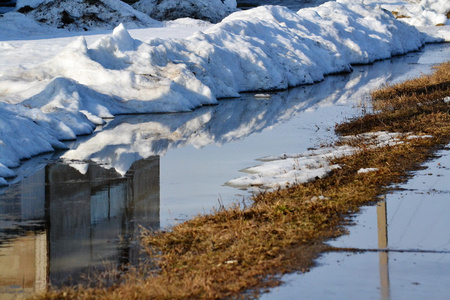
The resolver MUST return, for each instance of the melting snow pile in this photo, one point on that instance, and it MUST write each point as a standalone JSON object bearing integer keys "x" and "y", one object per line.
{"x": 422, "y": 13}
{"x": 264, "y": 48}
{"x": 85, "y": 14}
{"x": 429, "y": 16}
{"x": 283, "y": 171}
{"x": 208, "y": 10}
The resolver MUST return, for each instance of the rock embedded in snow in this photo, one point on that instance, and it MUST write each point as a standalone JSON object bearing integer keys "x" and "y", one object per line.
{"x": 208, "y": 10}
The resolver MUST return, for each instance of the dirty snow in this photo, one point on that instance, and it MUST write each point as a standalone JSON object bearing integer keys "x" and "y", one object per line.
{"x": 60, "y": 88}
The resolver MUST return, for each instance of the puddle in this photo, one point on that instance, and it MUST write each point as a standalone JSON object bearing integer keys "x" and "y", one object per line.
{"x": 59, "y": 224}
{"x": 365, "y": 276}
{"x": 416, "y": 215}
{"x": 67, "y": 213}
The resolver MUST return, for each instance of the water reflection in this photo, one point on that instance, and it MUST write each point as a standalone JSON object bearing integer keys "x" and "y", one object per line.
{"x": 128, "y": 138}
{"x": 60, "y": 223}
{"x": 382, "y": 226}
{"x": 65, "y": 218}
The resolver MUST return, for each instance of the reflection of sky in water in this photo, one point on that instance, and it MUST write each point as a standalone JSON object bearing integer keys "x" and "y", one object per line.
{"x": 197, "y": 153}
{"x": 414, "y": 229}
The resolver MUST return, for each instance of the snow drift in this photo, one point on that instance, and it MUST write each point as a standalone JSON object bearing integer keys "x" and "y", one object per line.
{"x": 208, "y": 10}
{"x": 264, "y": 48}
{"x": 85, "y": 14}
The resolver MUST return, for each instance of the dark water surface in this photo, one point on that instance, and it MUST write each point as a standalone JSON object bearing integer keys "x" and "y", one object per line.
{"x": 69, "y": 213}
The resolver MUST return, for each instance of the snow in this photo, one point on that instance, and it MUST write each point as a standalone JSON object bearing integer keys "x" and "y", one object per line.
{"x": 287, "y": 169}
{"x": 367, "y": 170}
{"x": 56, "y": 84}
{"x": 88, "y": 15}
{"x": 31, "y": 3}
{"x": 428, "y": 16}
{"x": 209, "y": 10}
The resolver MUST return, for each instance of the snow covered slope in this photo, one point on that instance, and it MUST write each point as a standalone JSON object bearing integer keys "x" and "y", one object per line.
{"x": 417, "y": 12}
{"x": 265, "y": 48}
{"x": 85, "y": 14}
{"x": 208, "y": 10}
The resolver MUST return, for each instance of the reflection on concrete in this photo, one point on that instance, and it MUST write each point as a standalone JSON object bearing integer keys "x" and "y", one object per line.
{"x": 383, "y": 244}
{"x": 60, "y": 224}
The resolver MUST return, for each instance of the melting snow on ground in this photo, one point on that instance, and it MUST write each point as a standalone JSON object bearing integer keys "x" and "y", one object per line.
{"x": 261, "y": 49}
{"x": 285, "y": 170}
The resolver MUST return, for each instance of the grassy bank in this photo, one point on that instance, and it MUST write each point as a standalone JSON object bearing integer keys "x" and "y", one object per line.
{"x": 234, "y": 252}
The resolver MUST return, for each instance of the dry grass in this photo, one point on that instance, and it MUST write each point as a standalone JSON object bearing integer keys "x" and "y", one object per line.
{"x": 233, "y": 251}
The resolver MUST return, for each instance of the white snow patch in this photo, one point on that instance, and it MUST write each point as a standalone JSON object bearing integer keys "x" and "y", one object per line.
{"x": 80, "y": 167}
{"x": 426, "y": 136}
{"x": 299, "y": 168}
{"x": 367, "y": 170}
{"x": 262, "y": 96}
{"x": 287, "y": 169}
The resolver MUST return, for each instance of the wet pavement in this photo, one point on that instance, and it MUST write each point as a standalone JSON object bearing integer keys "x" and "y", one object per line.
{"x": 397, "y": 249}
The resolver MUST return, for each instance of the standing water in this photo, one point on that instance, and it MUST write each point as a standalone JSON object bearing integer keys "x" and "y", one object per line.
{"x": 69, "y": 214}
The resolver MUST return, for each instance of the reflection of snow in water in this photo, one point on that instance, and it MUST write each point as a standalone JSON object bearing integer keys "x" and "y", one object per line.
{"x": 130, "y": 138}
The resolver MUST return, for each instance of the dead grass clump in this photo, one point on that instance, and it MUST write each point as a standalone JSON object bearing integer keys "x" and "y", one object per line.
{"x": 399, "y": 16}
{"x": 398, "y": 107}
{"x": 234, "y": 250}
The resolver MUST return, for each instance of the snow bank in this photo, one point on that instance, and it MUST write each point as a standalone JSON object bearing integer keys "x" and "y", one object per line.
{"x": 208, "y": 10}
{"x": 261, "y": 49}
{"x": 14, "y": 25}
{"x": 86, "y": 15}
{"x": 429, "y": 16}
{"x": 427, "y": 12}
{"x": 414, "y": 12}
{"x": 127, "y": 139}
{"x": 24, "y": 133}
